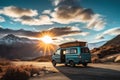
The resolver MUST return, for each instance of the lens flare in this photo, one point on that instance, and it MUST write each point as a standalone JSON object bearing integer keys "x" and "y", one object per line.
{"x": 47, "y": 39}
{"x": 45, "y": 44}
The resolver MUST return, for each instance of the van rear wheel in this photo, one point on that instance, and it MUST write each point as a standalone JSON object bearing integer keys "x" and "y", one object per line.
{"x": 54, "y": 63}
{"x": 84, "y": 64}
{"x": 72, "y": 64}
{"x": 66, "y": 64}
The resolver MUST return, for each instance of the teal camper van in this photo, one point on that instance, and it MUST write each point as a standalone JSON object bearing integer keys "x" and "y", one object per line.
{"x": 72, "y": 53}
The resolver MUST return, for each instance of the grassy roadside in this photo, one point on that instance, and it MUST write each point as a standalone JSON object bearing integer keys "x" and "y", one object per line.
{"x": 10, "y": 71}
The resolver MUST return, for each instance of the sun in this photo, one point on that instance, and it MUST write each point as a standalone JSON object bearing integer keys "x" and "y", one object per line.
{"x": 47, "y": 39}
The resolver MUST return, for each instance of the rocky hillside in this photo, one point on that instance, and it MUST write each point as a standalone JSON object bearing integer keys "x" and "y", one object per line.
{"x": 113, "y": 42}
{"x": 112, "y": 47}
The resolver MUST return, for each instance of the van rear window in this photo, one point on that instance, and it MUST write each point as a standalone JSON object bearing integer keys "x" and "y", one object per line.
{"x": 85, "y": 50}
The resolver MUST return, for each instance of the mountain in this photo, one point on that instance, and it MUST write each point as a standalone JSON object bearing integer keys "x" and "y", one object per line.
{"x": 115, "y": 41}
{"x": 96, "y": 44}
{"x": 11, "y": 39}
{"x": 109, "y": 48}
{"x": 13, "y": 47}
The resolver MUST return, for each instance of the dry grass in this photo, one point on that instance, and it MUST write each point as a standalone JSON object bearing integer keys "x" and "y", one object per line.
{"x": 4, "y": 62}
{"x": 117, "y": 60}
{"x": 9, "y": 71}
{"x": 43, "y": 59}
{"x": 20, "y": 72}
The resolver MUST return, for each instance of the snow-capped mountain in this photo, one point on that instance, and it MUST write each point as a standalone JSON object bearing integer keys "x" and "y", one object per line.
{"x": 12, "y": 39}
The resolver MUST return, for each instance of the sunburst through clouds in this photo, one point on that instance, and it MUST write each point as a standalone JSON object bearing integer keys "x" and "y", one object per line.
{"x": 46, "y": 44}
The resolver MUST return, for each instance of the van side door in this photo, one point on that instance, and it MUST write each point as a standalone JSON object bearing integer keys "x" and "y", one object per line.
{"x": 57, "y": 56}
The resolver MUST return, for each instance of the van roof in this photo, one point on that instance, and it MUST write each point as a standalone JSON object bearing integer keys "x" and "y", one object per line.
{"x": 73, "y": 44}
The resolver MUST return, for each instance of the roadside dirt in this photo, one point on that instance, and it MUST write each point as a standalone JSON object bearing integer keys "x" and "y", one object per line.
{"x": 92, "y": 72}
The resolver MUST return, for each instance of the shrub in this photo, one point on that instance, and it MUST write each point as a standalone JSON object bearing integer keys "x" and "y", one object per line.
{"x": 23, "y": 72}
{"x": 30, "y": 68}
{"x": 16, "y": 73}
{"x": 4, "y": 62}
{"x": 1, "y": 69}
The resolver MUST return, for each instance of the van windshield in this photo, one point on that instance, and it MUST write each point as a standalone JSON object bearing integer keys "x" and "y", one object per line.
{"x": 85, "y": 50}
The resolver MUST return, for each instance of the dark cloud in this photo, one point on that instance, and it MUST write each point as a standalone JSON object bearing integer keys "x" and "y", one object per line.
{"x": 69, "y": 11}
{"x": 55, "y": 32}
{"x": 63, "y": 31}
{"x": 42, "y": 20}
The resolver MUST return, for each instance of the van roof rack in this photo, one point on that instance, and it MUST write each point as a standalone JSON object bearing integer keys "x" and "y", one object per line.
{"x": 72, "y": 44}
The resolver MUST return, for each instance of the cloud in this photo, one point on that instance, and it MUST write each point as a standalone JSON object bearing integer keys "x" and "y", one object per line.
{"x": 99, "y": 37}
{"x": 56, "y": 2}
{"x": 59, "y": 40}
{"x": 69, "y": 11}
{"x": 97, "y": 23}
{"x": 46, "y": 12}
{"x": 113, "y": 31}
{"x": 2, "y": 19}
{"x": 26, "y": 16}
{"x": 67, "y": 31}
{"x": 16, "y": 12}
{"x": 55, "y": 32}
{"x": 42, "y": 20}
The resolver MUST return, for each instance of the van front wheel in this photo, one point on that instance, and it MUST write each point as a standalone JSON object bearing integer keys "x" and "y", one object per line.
{"x": 72, "y": 64}
{"x": 84, "y": 64}
{"x": 54, "y": 63}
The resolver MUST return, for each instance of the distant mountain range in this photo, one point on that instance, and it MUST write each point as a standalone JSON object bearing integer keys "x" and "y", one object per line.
{"x": 11, "y": 39}
{"x": 14, "y": 47}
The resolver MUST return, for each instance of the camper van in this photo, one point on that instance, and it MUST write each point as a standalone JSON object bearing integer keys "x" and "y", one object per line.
{"x": 72, "y": 53}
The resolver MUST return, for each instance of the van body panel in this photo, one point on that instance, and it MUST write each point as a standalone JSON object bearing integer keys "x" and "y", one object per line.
{"x": 77, "y": 54}
{"x": 85, "y": 55}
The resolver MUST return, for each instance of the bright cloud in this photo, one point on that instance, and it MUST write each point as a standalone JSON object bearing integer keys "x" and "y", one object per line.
{"x": 59, "y": 40}
{"x": 97, "y": 23}
{"x": 46, "y": 12}
{"x": 113, "y": 31}
{"x": 17, "y": 12}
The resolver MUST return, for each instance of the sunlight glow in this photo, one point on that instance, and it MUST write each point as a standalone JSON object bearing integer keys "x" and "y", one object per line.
{"x": 47, "y": 39}
{"x": 46, "y": 44}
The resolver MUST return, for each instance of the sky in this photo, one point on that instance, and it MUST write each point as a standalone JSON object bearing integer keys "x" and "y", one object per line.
{"x": 63, "y": 20}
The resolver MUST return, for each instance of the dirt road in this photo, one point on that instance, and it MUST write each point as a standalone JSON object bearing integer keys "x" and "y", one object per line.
{"x": 92, "y": 72}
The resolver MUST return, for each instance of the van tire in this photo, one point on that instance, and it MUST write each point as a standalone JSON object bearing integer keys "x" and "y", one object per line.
{"x": 66, "y": 64}
{"x": 72, "y": 64}
{"x": 54, "y": 63}
{"x": 84, "y": 64}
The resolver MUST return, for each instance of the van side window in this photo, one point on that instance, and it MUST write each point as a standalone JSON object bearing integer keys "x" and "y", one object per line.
{"x": 58, "y": 52}
{"x": 73, "y": 51}
{"x": 84, "y": 50}
{"x": 67, "y": 51}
